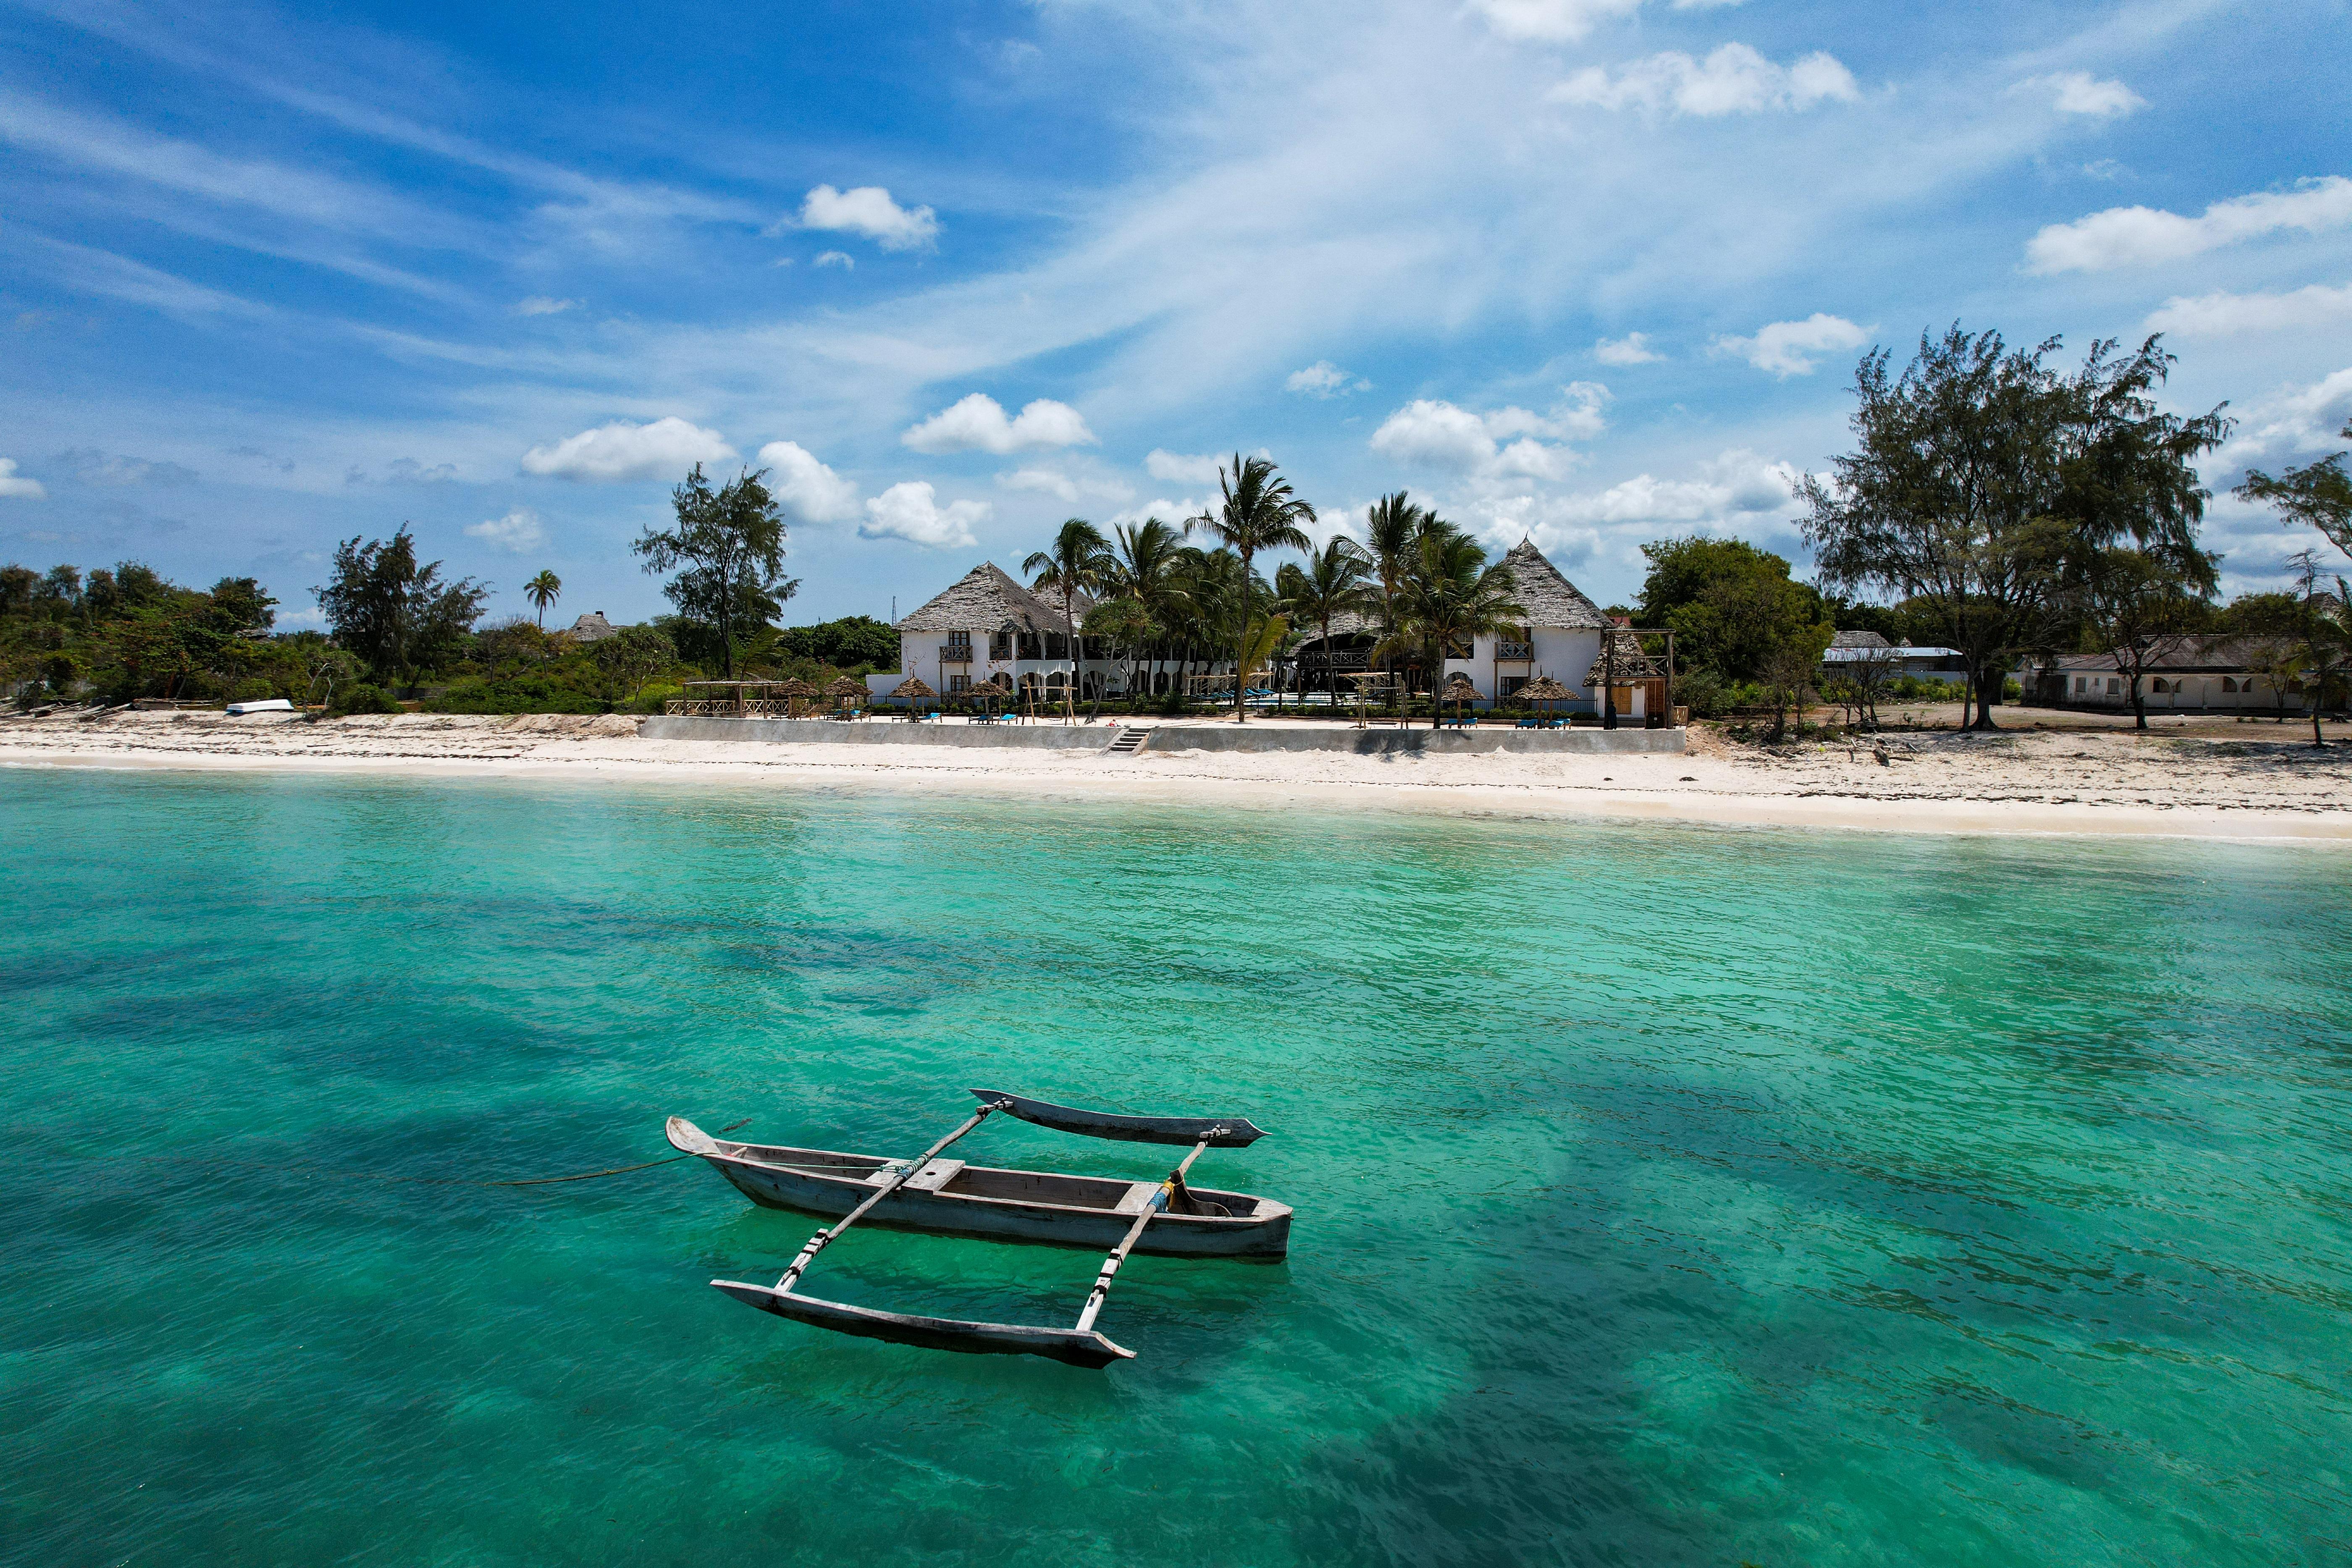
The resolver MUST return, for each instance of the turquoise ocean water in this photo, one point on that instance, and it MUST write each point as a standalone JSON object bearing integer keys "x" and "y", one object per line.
{"x": 1665, "y": 1194}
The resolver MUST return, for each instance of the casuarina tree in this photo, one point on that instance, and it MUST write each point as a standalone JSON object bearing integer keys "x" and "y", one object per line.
{"x": 1981, "y": 474}
{"x": 729, "y": 543}
{"x": 397, "y": 616}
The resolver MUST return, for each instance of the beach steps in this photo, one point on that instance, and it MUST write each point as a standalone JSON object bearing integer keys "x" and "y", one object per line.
{"x": 1130, "y": 739}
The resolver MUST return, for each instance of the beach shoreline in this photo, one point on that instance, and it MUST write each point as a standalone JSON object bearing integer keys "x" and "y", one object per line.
{"x": 2018, "y": 783}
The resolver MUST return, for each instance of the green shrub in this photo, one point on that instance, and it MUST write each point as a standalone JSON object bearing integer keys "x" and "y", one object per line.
{"x": 364, "y": 698}
{"x": 533, "y": 691}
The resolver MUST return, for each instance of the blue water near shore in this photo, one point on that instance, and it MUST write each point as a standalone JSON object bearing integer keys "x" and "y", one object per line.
{"x": 1666, "y": 1195}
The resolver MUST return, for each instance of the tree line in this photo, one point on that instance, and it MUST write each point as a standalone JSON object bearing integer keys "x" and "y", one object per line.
{"x": 1994, "y": 503}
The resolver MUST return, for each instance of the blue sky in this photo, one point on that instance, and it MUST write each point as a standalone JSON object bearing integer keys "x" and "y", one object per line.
{"x": 1592, "y": 269}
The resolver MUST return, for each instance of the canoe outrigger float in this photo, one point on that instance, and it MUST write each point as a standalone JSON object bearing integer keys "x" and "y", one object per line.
{"x": 1165, "y": 1219}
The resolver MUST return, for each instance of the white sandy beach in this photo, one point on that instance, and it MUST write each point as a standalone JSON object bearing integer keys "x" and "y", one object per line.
{"x": 2250, "y": 781}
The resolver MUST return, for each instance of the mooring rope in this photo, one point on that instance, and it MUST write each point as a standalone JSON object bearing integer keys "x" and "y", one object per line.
{"x": 380, "y": 1176}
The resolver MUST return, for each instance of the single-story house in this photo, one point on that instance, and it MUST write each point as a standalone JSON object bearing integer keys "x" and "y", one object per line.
{"x": 1901, "y": 659}
{"x": 2186, "y": 674}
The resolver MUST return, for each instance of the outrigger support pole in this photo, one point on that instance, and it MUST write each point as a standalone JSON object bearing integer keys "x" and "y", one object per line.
{"x": 817, "y": 1243}
{"x": 1157, "y": 1205}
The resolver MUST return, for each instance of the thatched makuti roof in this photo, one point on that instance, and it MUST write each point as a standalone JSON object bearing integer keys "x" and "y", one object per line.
{"x": 1458, "y": 682}
{"x": 986, "y": 600}
{"x": 1552, "y": 601}
{"x": 1632, "y": 664}
{"x": 912, "y": 689}
{"x": 796, "y": 687}
{"x": 1543, "y": 689}
{"x": 846, "y": 686}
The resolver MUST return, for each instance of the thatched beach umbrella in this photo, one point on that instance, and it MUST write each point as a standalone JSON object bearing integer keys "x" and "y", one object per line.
{"x": 1458, "y": 690}
{"x": 914, "y": 691}
{"x": 846, "y": 687}
{"x": 1544, "y": 689}
{"x": 795, "y": 690}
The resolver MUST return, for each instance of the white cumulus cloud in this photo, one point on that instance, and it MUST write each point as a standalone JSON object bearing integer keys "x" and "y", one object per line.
{"x": 840, "y": 258}
{"x": 1633, "y": 348}
{"x": 1788, "y": 348}
{"x": 1734, "y": 79}
{"x": 1172, "y": 512}
{"x": 2080, "y": 92}
{"x": 977, "y": 424}
{"x": 2227, "y": 315}
{"x": 868, "y": 210}
{"x": 1324, "y": 379}
{"x": 1048, "y": 481}
{"x": 2298, "y": 420}
{"x": 2139, "y": 236}
{"x": 612, "y": 453}
{"x": 910, "y": 510}
{"x": 1182, "y": 467}
{"x": 519, "y": 531}
{"x": 21, "y": 489}
{"x": 805, "y": 488}
{"x": 1504, "y": 443}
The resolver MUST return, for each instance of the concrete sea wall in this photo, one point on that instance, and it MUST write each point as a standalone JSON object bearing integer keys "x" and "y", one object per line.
{"x": 1168, "y": 738}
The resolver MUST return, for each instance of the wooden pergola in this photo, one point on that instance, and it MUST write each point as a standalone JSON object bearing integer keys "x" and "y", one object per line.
{"x": 740, "y": 699}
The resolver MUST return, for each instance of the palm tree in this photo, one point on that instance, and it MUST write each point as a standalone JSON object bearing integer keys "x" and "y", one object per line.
{"x": 1259, "y": 513}
{"x": 1334, "y": 582}
{"x": 543, "y": 591}
{"x": 1450, "y": 595}
{"x": 1073, "y": 565}
{"x": 1145, "y": 568}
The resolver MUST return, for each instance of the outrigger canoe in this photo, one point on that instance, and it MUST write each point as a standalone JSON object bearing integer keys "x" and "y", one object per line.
{"x": 1164, "y": 1218}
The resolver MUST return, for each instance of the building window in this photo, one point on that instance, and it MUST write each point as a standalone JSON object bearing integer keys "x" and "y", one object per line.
{"x": 2157, "y": 685}
{"x": 2228, "y": 684}
{"x": 2114, "y": 686}
{"x": 959, "y": 642}
{"x": 2079, "y": 684}
{"x": 1028, "y": 643}
{"x": 1056, "y": 645}
{"x": 1508, "y": 685}
{"x": 1000, "y": 644}
{"x": 958, "y": 683}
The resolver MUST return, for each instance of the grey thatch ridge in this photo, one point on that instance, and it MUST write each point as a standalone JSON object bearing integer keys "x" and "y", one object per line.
{"x": 1853, "y": 639}
{"x": 1552, "y": 601}
{"x": 986, "y": 600}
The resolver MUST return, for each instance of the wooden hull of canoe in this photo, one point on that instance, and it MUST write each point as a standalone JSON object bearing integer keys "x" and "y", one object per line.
{"x": 1036, "y": 1206}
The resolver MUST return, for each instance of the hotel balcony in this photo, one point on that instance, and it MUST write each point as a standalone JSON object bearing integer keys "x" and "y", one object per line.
{"x": 956, "y": 654}
{"x": 1514, "y": 653}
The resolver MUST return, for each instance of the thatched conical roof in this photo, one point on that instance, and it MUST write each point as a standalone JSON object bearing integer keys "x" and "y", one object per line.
{"x": 1543, "y": 689}
{"x": 1631, "y": 663}
{"x": 1458, "y": 682}
{"x": 844, "y": 686}
{"x": 796, "y": 687}
{"x": 912, "y": 689}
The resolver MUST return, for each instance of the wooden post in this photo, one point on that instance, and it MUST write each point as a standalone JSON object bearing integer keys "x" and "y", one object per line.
{"x": 1134, "y": 1233}
{"x": 817, "y": 1242}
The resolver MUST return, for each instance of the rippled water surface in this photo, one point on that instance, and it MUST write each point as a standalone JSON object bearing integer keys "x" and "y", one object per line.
{"x": 1666, "y": 1195}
